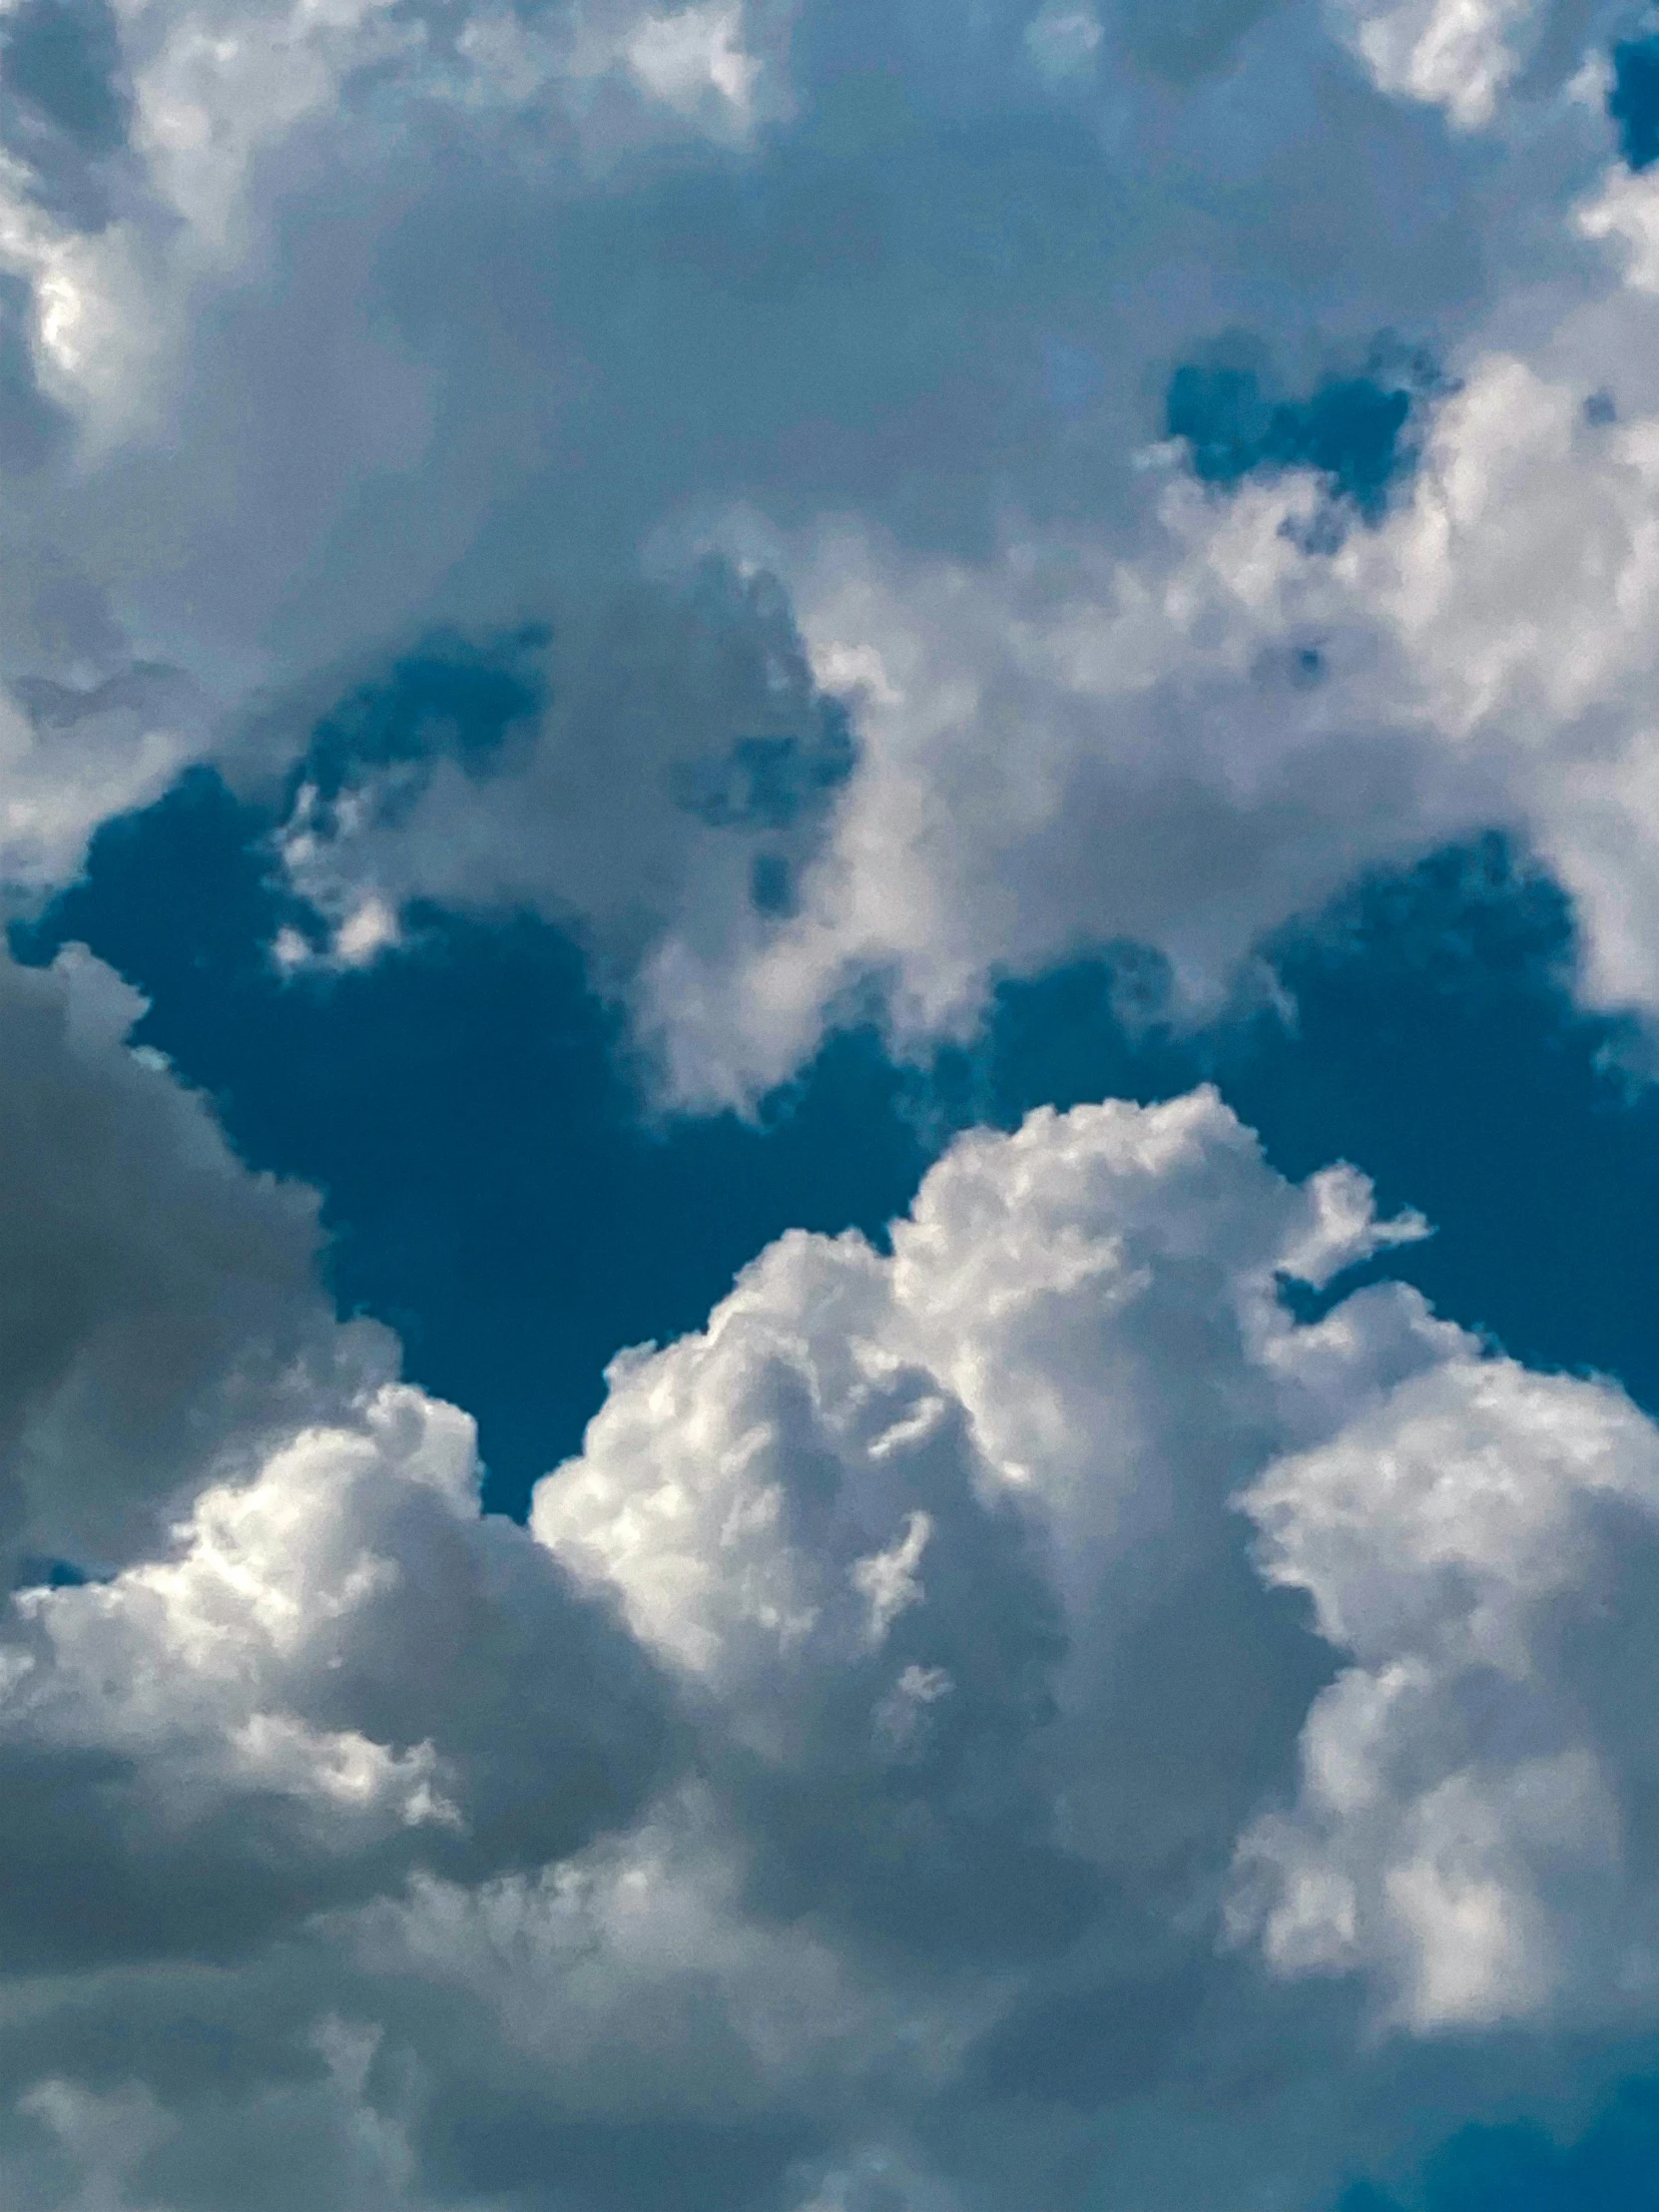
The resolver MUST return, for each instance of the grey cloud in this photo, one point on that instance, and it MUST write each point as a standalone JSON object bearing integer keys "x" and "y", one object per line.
{"x": 30, "y": 426}
{"x": 158, "y": 1304}
{"x": 683, "y": 751}
{"x": 341, "y": 1674}
{"x": 315, "y": 1666}
{"x": 65, "y": 103}
{"x": 477, "y": 375}
{"x": 144, "y": 688}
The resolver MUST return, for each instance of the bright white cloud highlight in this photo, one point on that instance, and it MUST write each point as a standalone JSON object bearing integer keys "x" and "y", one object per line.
{"x": 1458, "y": 53}
{"x": 1032, "y": 1639}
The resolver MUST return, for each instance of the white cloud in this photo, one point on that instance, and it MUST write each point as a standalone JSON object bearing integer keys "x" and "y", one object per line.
{"x": 1457, "y": 54}
{"x": 1105, "y": 703}
{"x": 966, "y": 1477}
{"x": 1063, "y": 40}
{"x": 338, "y": 1672}
{"x": 1468, "y": 1828}
{"x": 74, "y": 756}
{"x": 978, "y": 1808}
{"x": 399, "y": 315}
{"x": 1177, "y": 725}
{"x": 1051, "y": 741}
{"x": 682, "y": 57}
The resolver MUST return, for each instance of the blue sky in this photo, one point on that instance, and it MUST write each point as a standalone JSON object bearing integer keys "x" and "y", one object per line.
{"x": 468, "y": 1109}
{"x": 827, "y": 1142}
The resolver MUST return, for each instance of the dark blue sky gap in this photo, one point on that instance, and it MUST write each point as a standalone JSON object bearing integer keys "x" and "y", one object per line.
{"x": 494, "y": 1194}
{"x": 1351, "y": 430}
{"x": 1613, "y": 2167}
{"x": 1633, "y": 99}
{"x": 452, "y": 696}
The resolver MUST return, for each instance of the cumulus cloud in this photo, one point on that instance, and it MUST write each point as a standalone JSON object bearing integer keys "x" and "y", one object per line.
{"x": 309, "y": 1668}
{"x": 1031, "y": 1713}
{"x": 335, "y": 1666}
{"x": 364, "y": 317}
{"x": 937, "y": 674}
{"x": 1021, "y": 1710}
{"x": 1181, "y": 744}
{"x": 884, "y": 1512}
{"x": 1472, "y": 1759}
{"x": 1070, "y": 1372}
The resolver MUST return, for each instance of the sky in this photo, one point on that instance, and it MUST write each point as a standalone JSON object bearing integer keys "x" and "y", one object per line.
{"x": 828, "y": 1106}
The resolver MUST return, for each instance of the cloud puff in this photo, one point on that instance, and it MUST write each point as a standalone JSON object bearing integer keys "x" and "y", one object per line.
{"x": 469, "y": 315}
{"x": 158, "y": 1306}
{"x": 974, "y": 1717}
{"x": 1472, "y": 1822}
{"x": 1061, "y": 1382}
{"x": 1181, "y": 746}
{"x": 1106, "y": 701}
{"x": 1458, "y": 53}
{"x": 250, "y": 1713}
{"x": 339, "y": 1665}
{"x": 883, "y": 1513}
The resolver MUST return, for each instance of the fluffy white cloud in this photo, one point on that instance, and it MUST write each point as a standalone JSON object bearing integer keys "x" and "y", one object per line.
{"x": 338, "y": 1666}
{"x": 915, "y": 1527}
{"x": 1472, "y": 1822}
{"x": 1111, "y": 702}
{"x": 899, "y": 1764}
{"x": 830, "y": 1510}
{"x": 1184, "y": 743}
{"x": 357, "y": 316}
{"x": 1458, "y": 54}
{"x": 314, "y": 1652}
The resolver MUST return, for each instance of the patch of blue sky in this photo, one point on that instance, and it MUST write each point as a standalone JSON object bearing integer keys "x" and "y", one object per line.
{"x": 492, "y": 1188}
{"x": 1633, "y": 99}
{"x": 497, "y": 1192}
{"x": 1351, "y": 430}
{"x": 1521, "y": 2167}
{"x": 450, "y": 698}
